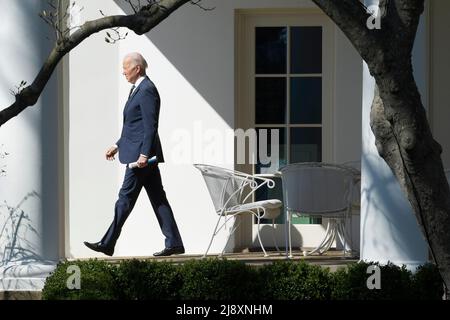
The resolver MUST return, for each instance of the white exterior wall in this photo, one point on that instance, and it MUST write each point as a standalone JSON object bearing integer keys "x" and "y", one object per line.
{"x": 94, "y": 124}
{"x": 389, "y": 231}
{"x": 29, "y": 236}
{"x": 440, "y": 69}
{"x": 191, "y": 57}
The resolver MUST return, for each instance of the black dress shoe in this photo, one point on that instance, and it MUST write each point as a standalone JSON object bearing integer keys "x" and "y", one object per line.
{"x": 169, "y": 251}
{"x": 99, "y": 247}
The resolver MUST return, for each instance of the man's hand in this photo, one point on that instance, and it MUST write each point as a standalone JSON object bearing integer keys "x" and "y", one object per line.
{"x": 111, "y": 153}
{"x": 142, "y": 161}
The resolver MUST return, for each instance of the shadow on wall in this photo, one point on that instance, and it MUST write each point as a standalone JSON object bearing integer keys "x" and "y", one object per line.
{"x": 401, "y": 223}
{"x": 186, "y": 43}
{"x": 20, "y": 264}
{"x": 5, "y": 86}
{"x": 15, "y": 226}
{"x": 35, "y": 55}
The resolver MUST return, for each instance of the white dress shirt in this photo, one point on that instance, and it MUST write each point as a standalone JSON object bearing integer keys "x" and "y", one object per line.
{"x": 138, "y": 82}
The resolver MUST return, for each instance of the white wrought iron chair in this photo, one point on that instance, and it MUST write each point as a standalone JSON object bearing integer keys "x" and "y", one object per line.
{"x": 317, "y": 189}
{"x": 229, "y": 191}
{"x": 355, "y": 168}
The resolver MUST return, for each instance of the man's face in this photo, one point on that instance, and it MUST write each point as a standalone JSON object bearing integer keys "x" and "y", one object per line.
{"x": 130, "y": 71}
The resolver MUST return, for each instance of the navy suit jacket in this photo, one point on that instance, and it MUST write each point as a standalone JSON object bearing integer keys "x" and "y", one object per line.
{"x": 140, "y": 125}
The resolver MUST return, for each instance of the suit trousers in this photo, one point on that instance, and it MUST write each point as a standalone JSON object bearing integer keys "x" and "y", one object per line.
{"x": 149, "y": 178}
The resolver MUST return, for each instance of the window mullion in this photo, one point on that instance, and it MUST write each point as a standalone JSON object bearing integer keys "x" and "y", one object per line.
{"x": 288, "y": 97}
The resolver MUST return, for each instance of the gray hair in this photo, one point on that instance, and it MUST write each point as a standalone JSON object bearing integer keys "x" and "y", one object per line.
{"x": 137, "y": 60}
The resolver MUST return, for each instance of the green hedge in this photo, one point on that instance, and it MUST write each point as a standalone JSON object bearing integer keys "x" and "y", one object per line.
{"x": 98, "y": 282}
{"x": 287, "y": 280}
{"x": 141, "y": 280}
{"x": 351, "y": 283}
{"x": 213, "y": 279}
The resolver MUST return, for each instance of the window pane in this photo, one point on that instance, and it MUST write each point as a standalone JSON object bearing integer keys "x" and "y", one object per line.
{"x": 306, "y": 50}
{"x": 270, "y": 100}
{"x": 306, "y": 145}
{"x": 282, "y": 152}
{"x": 271, "y": 50}
{"x": 306, "y": 220}
{"x": 306, "y": 100}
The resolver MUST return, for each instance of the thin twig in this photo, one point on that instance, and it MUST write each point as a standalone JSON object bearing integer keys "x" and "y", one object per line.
{"x": 197, "y": 3}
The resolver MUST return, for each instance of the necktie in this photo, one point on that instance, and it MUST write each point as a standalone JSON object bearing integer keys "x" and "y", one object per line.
{"x": 131, "y": 91}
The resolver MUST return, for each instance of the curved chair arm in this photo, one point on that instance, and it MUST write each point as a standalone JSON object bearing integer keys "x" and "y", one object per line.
{"x": 257, "y": 181}
{"x": 239, "y": 181}
{"x": 276, "y": 174}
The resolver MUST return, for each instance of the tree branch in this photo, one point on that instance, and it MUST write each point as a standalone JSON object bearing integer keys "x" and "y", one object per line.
{"x": 141, "y": 22}
{"x": 198, "y": 4}
{"x": 3, "y": 154}
{"x": 407, "y": 19}
{"x": 351, "y": 17}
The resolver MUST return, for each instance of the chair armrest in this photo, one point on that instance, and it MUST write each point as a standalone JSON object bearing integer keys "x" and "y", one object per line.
{"x": 256, "y": 181}
{"x": 276, "y": 174}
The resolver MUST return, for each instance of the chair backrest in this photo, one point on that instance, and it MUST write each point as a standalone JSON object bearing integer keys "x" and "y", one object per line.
{"x": 317, "y": 188}
{"x": 353, "y": 166}
{"x": 225, "y": 186}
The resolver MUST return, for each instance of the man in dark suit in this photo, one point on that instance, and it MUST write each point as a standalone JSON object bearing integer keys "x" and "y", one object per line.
{"x": 139, "y": 141}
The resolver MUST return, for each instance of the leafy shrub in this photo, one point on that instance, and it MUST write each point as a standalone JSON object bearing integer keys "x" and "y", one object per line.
{"x": 97, "y": 282}
{"x": 427, "y": 283}
{"x": 351, "y": 283}
{"x": 143, "y": 280}
{"x": 287, "y": 280}
{"x": 213, "y": 279}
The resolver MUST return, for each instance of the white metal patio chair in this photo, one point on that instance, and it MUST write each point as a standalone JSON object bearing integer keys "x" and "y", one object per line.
{"x": 355, "y": 168}
{"x": 230, "y": 190}
{"x": 317, "y": 189}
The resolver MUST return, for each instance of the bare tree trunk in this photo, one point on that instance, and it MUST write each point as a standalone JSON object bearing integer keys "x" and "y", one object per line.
{"x": 404, "y": 141}
{"x": 398, "y": 118}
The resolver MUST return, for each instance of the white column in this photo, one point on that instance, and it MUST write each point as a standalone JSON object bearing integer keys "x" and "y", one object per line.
{"x": 389, "y": 231}
{"x": 29, "y": 193}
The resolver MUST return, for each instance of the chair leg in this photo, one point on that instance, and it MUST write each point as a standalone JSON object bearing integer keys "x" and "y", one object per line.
{"x": 289, "y": 218}
{"x": 327, "y": 240}
{"x": 341, "y": 235}
{"x": 259, "y": 237}
{"x": 273, "y": 235}
{"x": 286, "y": 237}
{"x": 306, "y": 253}
{"x": 349, "y": 232}
{"x": 233, "y": 228}
{"x": 327, "y": 244}
{"x": 344, "y": 237}
{"x": 213, "y": 235}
